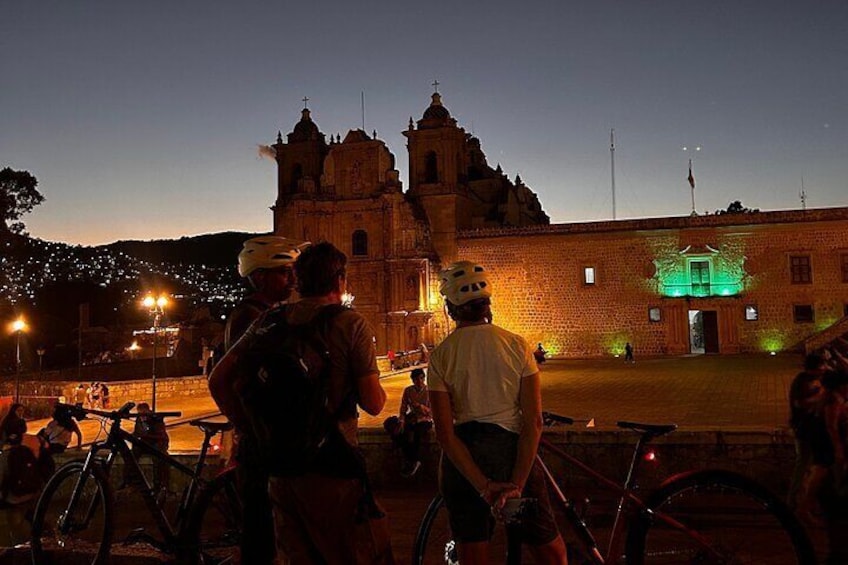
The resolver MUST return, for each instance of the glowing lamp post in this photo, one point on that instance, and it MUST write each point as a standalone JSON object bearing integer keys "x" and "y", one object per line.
{"x": 18, "y": 326}
{"x": 156, "y": 308}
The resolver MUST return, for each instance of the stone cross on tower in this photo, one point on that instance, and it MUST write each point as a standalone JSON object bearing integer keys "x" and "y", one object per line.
{"x": 305, "y": 100}
{"x": 436, "y": 86}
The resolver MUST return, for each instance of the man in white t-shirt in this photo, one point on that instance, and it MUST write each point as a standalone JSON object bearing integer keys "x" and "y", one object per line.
{"x": 487, "y": 409}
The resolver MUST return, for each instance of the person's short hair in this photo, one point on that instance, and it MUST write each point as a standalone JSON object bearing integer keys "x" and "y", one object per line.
{"x": 317, "y": 269}
{"x": 813, "y": 362}
{"x": 417, "y": 372}
{"x": 473, "y": 311}
{"x": 142, "y": 407}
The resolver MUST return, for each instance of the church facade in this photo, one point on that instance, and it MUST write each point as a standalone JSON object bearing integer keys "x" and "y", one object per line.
{"x": 751, "y": 282}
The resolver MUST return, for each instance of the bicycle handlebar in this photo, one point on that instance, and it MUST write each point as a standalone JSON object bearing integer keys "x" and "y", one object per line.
{"x": 122, "y": 413}
{"x": 549, "y": 418}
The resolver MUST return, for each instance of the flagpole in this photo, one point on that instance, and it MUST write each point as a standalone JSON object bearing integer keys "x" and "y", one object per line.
{"x": 692, "y": 187}
{"x": 612, "y": 169}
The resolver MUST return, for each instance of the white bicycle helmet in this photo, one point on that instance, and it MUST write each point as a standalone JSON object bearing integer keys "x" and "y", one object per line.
{"x": 269, "y": 252}
{"x": 464, "y": 281}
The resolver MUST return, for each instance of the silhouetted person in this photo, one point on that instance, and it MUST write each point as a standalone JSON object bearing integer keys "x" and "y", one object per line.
{"x": 539, "y": 354}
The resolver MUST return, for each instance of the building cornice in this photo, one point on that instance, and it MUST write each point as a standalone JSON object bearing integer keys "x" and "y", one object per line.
{"x": 666, "y": 223}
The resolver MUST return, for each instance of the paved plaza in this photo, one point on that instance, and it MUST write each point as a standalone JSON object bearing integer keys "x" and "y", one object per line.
{"x": 699, "y": 393}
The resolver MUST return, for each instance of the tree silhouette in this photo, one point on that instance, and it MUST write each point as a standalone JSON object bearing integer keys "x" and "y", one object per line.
{"x": 18, "y": 196}
{"x": 736, "y": 207}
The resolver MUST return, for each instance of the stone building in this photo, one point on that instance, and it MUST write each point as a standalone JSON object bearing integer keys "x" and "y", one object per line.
{"x": 750, "y": 282}
{"x": 758, "y": 282}
{"x": 348, "y": 191}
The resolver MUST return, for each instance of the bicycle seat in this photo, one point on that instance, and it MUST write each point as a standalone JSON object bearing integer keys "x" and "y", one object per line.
{"x": 654, "y": 430}
{"x": 212, "y": 427}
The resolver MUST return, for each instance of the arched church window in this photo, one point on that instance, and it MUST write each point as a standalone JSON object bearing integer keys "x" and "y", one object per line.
{"x": 431, "y": 168}
{"x": 360, "y": 243}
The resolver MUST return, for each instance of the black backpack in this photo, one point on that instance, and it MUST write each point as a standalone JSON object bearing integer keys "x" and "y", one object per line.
{"x": 284, "y": 374}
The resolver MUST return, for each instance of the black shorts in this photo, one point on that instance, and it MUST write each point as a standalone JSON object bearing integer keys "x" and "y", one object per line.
{"x": 494, "y": 450}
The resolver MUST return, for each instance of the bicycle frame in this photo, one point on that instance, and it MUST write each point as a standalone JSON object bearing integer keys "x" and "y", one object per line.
{"x": 628, "y": 503}
{"x": 116, "y": 443}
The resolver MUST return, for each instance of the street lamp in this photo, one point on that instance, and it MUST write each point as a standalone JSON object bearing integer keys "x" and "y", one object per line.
{"x": 156, "y": 308}
{"x": 18, "y": 326}
{"x": 40, "y": 351}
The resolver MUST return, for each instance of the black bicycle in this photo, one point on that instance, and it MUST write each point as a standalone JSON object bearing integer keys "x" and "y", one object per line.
{"x": 76, "y": 511}
{"x": 704, "y": 517}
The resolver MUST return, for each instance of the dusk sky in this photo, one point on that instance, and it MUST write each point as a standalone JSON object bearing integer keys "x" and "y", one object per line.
{"x": 141, "y": 120}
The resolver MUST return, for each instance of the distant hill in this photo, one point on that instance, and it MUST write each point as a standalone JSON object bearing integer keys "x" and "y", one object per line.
{"x": 218, "y": 249}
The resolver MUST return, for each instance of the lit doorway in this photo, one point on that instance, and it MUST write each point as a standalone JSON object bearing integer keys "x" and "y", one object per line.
{"x": 703, "y": 331}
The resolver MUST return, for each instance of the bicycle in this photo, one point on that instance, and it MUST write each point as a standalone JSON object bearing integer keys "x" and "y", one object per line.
{"x": 706, "y": 516}
{"x": 76, "y": 509}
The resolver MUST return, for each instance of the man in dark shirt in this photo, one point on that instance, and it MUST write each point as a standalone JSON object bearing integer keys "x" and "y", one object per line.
{"x": 326, "y": 515}
{"x": 806, "y": 396}
{"x": 266, "y": 262}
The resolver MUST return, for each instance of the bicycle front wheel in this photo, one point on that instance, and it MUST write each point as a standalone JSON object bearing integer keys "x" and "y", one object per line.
{"x": 737, "y": 519}
{"x": 214, "y": 531}
{"x": 79, "y": 524}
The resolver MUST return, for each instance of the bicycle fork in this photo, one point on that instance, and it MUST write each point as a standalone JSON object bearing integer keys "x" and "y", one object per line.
{"x": 65, "y": 522}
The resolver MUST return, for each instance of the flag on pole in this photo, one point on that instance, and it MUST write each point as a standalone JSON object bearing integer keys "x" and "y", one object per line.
{"x": 691, "y": 177}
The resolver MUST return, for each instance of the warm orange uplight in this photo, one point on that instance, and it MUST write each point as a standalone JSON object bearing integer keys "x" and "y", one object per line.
{"x": 134, "y": 346}
{"x": 148, "y": 302}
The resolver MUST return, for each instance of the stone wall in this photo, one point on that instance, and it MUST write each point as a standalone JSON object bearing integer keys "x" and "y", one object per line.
{"x": 765, "y": 457}
{"x": 540, "y": 292}
{"x": 119, "y": 392}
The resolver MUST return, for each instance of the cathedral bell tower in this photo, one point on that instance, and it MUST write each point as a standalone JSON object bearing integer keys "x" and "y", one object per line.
{"x": 437, "y": 180}
{"x": 299, "y": 163}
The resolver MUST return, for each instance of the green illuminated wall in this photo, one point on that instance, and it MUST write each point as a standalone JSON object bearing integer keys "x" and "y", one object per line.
{"x": 673, "y": 262}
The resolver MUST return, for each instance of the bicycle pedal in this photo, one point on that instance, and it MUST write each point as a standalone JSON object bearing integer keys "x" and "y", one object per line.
{"x": 136, "y": 535}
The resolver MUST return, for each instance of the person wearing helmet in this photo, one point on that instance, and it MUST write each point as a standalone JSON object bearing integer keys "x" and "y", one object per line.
{"x": 486, "y": 405}
{"x": 267, "y": 263}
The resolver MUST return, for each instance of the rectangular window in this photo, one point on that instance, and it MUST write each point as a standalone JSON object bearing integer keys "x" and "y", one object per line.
{"x": 752, "y": 313}
{"x": 654, "y": 314}
{"x": 803, "y": 313}
{"x": 588, "y": 275}
{"x": 844, "y": 261}
{"x": 845, "y": 310}
{"x": 801, "y": 270}
{"x": 699, "y": 272}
